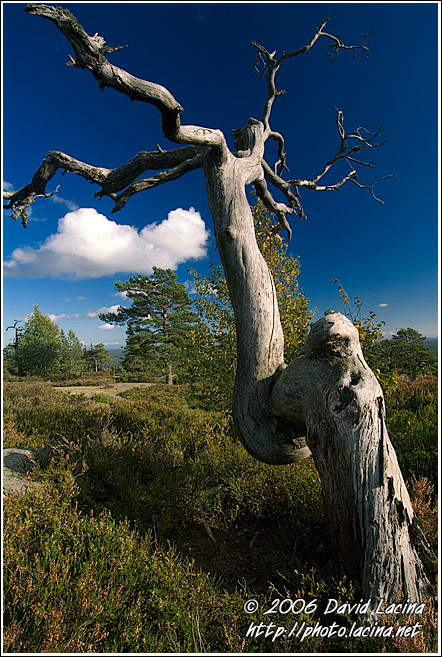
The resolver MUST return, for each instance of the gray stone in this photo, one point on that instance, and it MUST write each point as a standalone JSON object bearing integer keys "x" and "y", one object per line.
{"x": 17, "y": 464}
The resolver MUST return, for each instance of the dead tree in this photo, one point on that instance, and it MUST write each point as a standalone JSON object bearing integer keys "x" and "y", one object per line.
{"x": 327, "y": 401}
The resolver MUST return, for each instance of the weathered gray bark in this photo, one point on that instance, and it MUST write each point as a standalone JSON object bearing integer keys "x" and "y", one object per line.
{"x": 371, "y": 520}
{"x": 327, "y": 400}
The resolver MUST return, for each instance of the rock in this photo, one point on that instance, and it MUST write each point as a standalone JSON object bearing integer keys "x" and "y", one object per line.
{"x": 17, "y": 464}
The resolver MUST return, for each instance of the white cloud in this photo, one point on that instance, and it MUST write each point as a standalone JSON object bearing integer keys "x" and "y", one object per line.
{"x": 190, "y": 287}
{"x": 107, "y": 327}
{"x": 105, "y": 309}
{"x": 383, "y": 305}
{"x": 88, "y": 245}
{"x": 71, "y": 205}
{"x": 81, "y": 298}
{"x": 122, "y": 295}
{"x": 56, "y": 318}
{"x": 7, "y": 186}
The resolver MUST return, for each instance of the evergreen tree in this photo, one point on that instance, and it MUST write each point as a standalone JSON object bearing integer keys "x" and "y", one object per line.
{"x": 97, "y": 357}
{"x": 39, "y": 345}
{"x": 158, "y": 321}
{"x": 140, "y": 356}
{"x": 71, "y": 360}
{"x": 408, "y": 355}
{"x": 10, "y": 359}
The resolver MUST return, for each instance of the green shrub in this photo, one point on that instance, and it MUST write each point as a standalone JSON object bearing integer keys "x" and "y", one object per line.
{"x": 101, "y": 397}
{"x": 79, "y": 583}
{"x": 412, "y": 422}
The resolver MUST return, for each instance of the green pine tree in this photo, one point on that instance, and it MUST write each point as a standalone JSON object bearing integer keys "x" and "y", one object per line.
{"x": 158, "y": 322}
{"x": 71, "y": 360}
{"x": 407, "y": 354}
{"x": 97, "y": 357}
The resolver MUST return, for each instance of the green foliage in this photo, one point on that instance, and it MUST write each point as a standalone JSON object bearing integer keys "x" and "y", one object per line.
{"x": 89, "y": 378}
{"x": 157, "y": 322}
{"x": 71, "y": 359}
{"x": 211, "y": 350}
{"x": 10, "y": 364}
{"x": 80, "y": 583}
{"x": 212, "y": 354}
{"x": 101, "y": 398}
{"x": 407, "y": 354}
{"x": 39, "y": 345}
{"x": 369, "y": 328}
{"x": 97, "y": 357}
{"x": 412, "y": 422}
{"x": 42, "y": 349}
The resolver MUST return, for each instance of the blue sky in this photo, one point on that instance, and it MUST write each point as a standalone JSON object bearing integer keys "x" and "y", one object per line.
{"x": 73, "y": 250}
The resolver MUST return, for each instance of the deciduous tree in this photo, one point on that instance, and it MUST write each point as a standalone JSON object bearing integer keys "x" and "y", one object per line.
{"x": 39, "y": 350}
{"x": 326, "y": 400}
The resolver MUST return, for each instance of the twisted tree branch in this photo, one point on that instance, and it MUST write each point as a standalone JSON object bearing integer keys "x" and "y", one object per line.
{"x": 90, "y": 55}
{"x": 271, "y": 65}
{"x": 359, "y": 141}
{"x": 111, "y": 180}
{"x": 345, "y": 152}
{"x": 157, "y": 179}
{"x": 279, "y": 209}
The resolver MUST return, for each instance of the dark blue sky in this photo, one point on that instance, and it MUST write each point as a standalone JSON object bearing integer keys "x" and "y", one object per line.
{"x": 387, "y": 254}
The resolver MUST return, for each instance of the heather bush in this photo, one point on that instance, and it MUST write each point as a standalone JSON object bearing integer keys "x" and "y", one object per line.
{"x": 153, "y": 527}
{"x": 412, "y": 422}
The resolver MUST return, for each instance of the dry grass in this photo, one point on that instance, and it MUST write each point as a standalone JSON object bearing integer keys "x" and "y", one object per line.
{"x": 109, "y": 389}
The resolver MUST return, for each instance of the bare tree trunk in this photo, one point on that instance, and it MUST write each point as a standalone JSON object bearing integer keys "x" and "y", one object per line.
{"x": 169, "y": 375}
{"x": 371, "y": 521}
{"x": 328, "y": 394}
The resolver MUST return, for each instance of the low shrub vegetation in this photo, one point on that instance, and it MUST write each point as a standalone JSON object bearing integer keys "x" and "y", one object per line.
{"x": 412, "y": 420}
{"x": 152, "y": 527}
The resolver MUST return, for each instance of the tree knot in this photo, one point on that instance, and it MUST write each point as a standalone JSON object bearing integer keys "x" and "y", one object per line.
{"x": 342, "y": 403}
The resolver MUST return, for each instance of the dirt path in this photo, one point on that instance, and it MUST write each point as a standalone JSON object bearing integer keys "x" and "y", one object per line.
{"x": 110, "y": 390}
